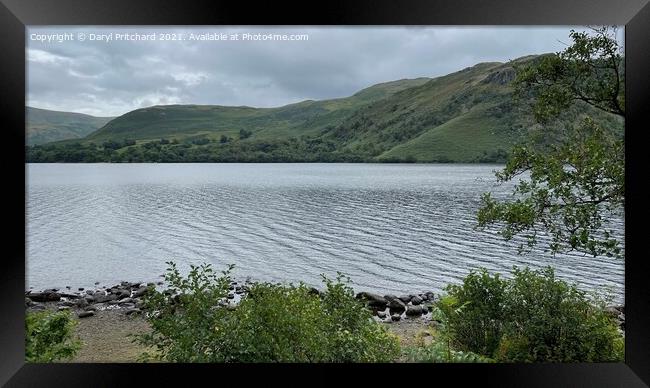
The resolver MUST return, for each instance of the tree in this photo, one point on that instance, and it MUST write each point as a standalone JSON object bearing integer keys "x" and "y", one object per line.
{"x": 244, "y": 134}
{"x": 572, "y": 176}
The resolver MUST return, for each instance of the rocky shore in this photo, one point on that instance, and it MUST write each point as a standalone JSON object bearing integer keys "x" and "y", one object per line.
{"x": 109, "y": 316}
{"x": 126, "y": 298}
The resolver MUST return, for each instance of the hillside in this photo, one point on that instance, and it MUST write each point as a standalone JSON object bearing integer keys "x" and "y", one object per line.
{"x": 212, "y": 121}
{"x": 44, "y": 126}
{"x": 458, "y": 117}
{"x": 466, "y": 116}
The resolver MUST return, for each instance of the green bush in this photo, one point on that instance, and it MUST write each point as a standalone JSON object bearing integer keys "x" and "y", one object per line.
{"x": 192, "y": 322}
{"x": 439, "y": 352}
{"x": 550, "y": 320}
{"x": 478, "y": 325}
{"x": 48, "y": 336}
{"x": 533, "y": 317}
{"x": 443, "y": 345}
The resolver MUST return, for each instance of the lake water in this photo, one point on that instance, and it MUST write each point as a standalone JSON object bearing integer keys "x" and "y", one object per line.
{"x": 391, "y": 228}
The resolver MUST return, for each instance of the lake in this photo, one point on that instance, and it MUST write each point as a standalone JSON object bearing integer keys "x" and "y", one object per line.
{"x": 393, "y": 228}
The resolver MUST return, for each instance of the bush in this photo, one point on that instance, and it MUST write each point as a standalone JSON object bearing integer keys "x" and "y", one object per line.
{"x": 48, "y": 336}
{"x": 440, "y": 349}
{"x": 474, "y": 311}
{"x": 550, "y": 320}
{"x": 192, "y": 322}
{"x": 438, "y": 352}
{"x": 534, "y": 317}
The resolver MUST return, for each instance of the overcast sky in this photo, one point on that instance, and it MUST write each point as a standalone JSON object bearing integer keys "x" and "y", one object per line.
{"x": 109, "y": 78}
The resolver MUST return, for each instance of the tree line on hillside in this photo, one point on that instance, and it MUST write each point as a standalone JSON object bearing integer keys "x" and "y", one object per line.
{"x": 225, "y": 149}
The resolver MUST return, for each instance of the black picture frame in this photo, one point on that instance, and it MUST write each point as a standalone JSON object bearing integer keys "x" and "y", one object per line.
{"x": 16, "y": 14}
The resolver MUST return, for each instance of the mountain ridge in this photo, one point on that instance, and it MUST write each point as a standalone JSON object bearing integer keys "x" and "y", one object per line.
{"x": 465, "y": 116}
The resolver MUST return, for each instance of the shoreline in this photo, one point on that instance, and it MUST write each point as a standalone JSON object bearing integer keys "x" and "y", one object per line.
{"x": 107, "y": 317}
{"x": 126, "y": 297}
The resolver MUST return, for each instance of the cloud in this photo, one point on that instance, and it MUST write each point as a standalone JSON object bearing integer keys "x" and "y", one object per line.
{"x": 109, "y": 78}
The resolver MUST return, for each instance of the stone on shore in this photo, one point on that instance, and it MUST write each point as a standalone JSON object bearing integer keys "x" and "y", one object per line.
{"x": 414, "y": 311}
{"x": 85, "y": 314}
{"x": 374, "y": 300}
{"x": 37, "y": 306}
{"x": 395, "y": 305}
{"x": 405, "y": 298}
{"x": 45, "y": 296}
{"x": 104, "y": 298}
{"x": 140, "y": 292}
{"x": 69, "y": 296}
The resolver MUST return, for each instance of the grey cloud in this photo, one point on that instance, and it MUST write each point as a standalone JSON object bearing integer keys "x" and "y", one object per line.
{"x": 111, "y": 78}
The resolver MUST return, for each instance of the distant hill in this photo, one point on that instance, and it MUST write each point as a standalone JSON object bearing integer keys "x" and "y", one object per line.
{"x": 212, "y": 121}
{"x": 466, "y": 116}
{"x": 44, "y": 126}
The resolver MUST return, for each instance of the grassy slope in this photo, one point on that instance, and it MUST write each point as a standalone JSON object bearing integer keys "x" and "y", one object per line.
{"x": 182, "y": 121}
{"x": 460, "y": 139}
{"x": 456, "y": 117}
{"x": 45, "y": 126}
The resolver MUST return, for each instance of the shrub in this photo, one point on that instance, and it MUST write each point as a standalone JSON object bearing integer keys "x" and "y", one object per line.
{"x": 533, "y": 317}
{"x": 441, "y": 349}
{"x": 438, "y": 352}
{"x": 477, "y": 326}
{"x": 550, "y": 320}
{"x": 192, "y": 322}
{"x": 48, "y": 336}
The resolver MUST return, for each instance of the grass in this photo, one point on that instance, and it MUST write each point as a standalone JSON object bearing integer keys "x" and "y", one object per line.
{"x": 461, "y": 139}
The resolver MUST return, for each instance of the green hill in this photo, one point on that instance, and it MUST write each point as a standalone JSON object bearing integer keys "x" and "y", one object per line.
{"x": 458, "y": 117}
{"x": 44, "y": 126}
{"x": 466, "y": 116}
{"x": 212, "y": 121}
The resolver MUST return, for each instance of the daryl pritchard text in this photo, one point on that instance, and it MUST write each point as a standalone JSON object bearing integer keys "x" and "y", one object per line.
{"x": 89, "y": 36}
{"x": 135, "y": 36}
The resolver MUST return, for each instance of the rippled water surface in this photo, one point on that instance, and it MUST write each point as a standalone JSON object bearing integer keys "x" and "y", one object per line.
{"x": 391, "y": 228}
